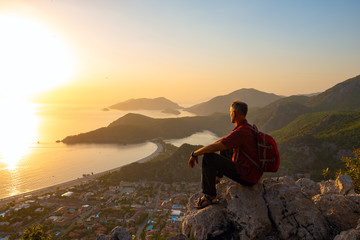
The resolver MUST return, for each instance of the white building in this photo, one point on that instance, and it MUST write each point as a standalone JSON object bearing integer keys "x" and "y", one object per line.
{"x": 175, "y": 212}
{"x": 67, "y": 194}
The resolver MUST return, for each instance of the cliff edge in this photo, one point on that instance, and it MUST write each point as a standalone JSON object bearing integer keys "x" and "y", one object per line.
{"x": 278, "y": 208}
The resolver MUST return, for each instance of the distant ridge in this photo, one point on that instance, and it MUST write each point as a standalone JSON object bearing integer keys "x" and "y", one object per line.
{"x": 344, "y": 95}
{"x": 279, "y": 113}
{"x": 253, "y": 97}
{"x": 159, "y": 103}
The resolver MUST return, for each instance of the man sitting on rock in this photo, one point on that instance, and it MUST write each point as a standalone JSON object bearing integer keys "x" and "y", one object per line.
{"x": 241, "y": 141}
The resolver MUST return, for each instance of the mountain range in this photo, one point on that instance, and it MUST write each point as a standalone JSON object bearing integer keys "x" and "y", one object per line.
{"x": 159, "y": 103}
{"x": 252, "y": 97}
{"x": 313, "y": 132}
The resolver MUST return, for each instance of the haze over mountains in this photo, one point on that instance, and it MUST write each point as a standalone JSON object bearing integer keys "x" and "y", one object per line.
{"x": 159, "y": 103}
{"x": 313, "y": 132}
{"x": 252, "y": 97}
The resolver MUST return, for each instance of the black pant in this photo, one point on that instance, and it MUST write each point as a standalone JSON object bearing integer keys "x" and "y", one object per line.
{"x": 215, "y": 165}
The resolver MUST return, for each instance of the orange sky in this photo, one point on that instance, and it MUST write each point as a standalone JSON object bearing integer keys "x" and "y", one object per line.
{"x": 184, "y": 51}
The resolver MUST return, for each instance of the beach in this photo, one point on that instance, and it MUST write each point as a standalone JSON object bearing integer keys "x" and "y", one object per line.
{"x": 78, "y": 181}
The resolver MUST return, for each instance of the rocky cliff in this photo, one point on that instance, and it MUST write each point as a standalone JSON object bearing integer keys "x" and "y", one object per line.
{"x": 278, "y": 208}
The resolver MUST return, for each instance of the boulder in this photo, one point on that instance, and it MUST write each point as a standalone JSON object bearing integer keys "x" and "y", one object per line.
{"x": 278, "y": 208}
{"x": 339, "y": 203}
{"x": 344, "y": 185}
{"x": 327, "y": 187}
{"x": 206, "y": 223}
{"x": 102, "y": 237}
{"x": 120, "y": 233}
{"x": 247, "y": 208}
{"x": 352, "y": 234}
{"x": 308, "y": 187}
{"x": 342, "y": 212}
{"x": 242, "y": 214}
{"x": 294, "y": 215}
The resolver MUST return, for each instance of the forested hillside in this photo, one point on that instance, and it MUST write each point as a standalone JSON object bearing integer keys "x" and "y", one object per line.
{"x": 135, "y": 128}
{"x": 172, "y": 168}
{"x": 317, "y": 141}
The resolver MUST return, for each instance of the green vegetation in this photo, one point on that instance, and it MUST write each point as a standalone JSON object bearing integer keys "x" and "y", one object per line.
{"x": 279, "y": 113}
{"x": 351, "y": 168}
{"x": 313, "y": 141}
{"x": 121, "y": 212}
{"x": 168, "y": 150}
{"x": 24, "y": 216}
{"x": 342, "y": 128}
{"x": 142, "y": 218}
{"x": 36, "y": 232}
{"x": 173, "y": 168}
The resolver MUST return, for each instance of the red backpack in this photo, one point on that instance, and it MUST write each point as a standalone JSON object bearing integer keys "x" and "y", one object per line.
{"x": 268, "y": 153}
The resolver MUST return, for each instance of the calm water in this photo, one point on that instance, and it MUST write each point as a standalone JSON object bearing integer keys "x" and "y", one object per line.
{"x": 200, "y": 138}
{"x": 50, "y": 164}
{"x": 30, "y": 159}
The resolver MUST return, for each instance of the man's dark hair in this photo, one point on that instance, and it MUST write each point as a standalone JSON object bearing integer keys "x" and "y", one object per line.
{"x": 240, "y": 107}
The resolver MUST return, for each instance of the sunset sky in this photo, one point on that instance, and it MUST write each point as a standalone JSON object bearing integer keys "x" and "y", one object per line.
{"x": 106, "y": 51}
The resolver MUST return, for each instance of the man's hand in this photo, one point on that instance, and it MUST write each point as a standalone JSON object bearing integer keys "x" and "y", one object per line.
{"x": 192, "y": 161}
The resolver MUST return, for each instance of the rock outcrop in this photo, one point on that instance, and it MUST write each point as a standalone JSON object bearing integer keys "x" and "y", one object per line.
{"x": 118, "y": 233}
{"x": 278, "y": 208}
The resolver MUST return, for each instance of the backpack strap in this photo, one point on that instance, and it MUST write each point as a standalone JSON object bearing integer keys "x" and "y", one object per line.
{"x": 251, "y": 159}
{"x": 256, "y": 133}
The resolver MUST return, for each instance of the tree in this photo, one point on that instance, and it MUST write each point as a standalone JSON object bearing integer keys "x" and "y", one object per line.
{"x": 36, "y": 232}
{"x": 352, "y": 169}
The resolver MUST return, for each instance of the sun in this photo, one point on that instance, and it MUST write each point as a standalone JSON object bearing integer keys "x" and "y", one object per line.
{"x": 32, "y": 57}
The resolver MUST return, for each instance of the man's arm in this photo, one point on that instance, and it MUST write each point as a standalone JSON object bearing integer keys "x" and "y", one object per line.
{"x": 211, "y": 148}
{"x": 219, "y": 140}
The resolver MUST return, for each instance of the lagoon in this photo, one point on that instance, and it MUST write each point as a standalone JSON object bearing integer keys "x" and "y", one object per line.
{"x": 199, "y": 138}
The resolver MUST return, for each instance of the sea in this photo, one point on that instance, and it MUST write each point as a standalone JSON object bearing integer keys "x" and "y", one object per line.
{"x": 31, "y": 158}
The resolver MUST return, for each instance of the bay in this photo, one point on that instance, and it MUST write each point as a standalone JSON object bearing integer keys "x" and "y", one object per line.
{"x": 50, "y": 164}
{"x": 30, "y": 159}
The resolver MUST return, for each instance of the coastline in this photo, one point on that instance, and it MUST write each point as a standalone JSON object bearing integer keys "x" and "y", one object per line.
{"x": 64, "y": 185}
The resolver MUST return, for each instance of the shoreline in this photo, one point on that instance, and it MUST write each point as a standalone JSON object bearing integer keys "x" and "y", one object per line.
{"x": 77, "y": 181}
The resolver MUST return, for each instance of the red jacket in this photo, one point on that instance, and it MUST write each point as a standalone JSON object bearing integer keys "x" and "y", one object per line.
{"x": 242, "y": 138}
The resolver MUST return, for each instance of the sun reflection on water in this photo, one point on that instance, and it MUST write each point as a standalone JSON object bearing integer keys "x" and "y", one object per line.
{"x": 18, "y": 131}
{"x": 14, "y": 182}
